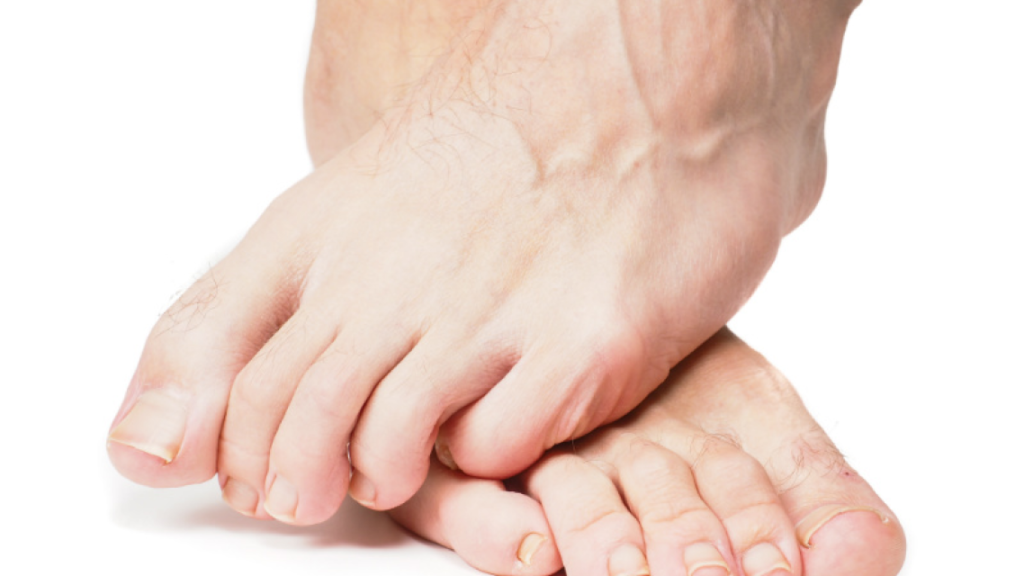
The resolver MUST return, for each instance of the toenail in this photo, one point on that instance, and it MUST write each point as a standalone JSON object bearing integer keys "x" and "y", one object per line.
{"x": 628, "y": 560}
{"x": 444, "y": 454}
{"x": 529, "y": 547}
{"x": 282, "y": 500}
{"x": 703, "y": 559}
{"x": 765, "y": 559}
{"x": 155, "y": 425}
{"x": 361, "y": 490}
{"x": 809, "y": 526}
{"x": 240, "y": 496}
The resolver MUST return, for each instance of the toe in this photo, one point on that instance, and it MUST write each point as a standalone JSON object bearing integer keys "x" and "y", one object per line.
{"x": 856, "y": 541}
{"x": 737, "y": 488}
{"x": 492, "y": 529}
{"x": 595, "y": 532}
{"x": 553, "y": 394}
{"x": 258, "y": 400}
{"x": 167, "y": 429}
{"x": 683, "y": 535}
{"x": 842, "y": 525}
{"x": 392, "y": 442}
{"x": 309, "y": 467}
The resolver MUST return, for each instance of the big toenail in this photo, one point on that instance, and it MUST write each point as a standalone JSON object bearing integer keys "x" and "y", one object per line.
{"x": 529, "y": 547}
{"x": 444, "y": 454}
{"x": 361, "y": 490}
{"x": 282, "y": 501}
{"x": 628, "y": 560}
{"x": 240, "y": 496}
{"x": 155, "y": 425}
{"x": 765, "y": 559}
{"x": 703, "y": 559}
{"x": 809, "y": 526}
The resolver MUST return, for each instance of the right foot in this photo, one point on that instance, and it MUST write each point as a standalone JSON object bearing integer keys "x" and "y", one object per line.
{"x": 505, "y": 250}
{"x": 721, "y": 471}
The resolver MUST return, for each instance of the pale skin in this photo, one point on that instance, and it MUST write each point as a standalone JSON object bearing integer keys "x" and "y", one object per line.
{"x": 721, "y": 471}
{"x": 492, "y": 240}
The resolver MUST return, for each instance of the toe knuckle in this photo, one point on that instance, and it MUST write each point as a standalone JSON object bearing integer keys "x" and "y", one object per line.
{"x": 816, "y": 448}
{"x": 620, "y": 441}
{"x": 757, "y": 520}
{"x": 601, "y": 518}
{"x": 372, "y": 459}
{"x": 724, "y": 441}
{"x": 672, "y": 514}
{"x": 740, "y": 466}
{"x": 645, "y": 458}
{"x": 715, "y": 449}
{"x": 251, "y": 387}
{"x": 559, "y": 464}
{"x": 811, "y": 454}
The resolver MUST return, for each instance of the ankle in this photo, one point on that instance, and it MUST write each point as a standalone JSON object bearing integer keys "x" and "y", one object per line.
{"x": 364, "y": 57}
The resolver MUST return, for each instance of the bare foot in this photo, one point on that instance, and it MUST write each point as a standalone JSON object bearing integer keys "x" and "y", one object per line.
{"x": 529, "y": 241}
{"x": 721, "y": 471}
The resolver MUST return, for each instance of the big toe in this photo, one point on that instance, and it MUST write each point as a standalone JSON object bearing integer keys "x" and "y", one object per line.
{"x": 852, "y": 540}
{"x": 166, "y": 432}
{"x": 842, "y": 525}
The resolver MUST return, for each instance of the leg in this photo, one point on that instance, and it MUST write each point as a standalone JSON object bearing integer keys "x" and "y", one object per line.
{"x": 525, "y": 241}
{"x": 721, "y": 470}
{"x": 364, "y": 59}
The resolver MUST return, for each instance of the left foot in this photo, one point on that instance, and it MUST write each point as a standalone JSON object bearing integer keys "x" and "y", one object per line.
{"x": 722, "y": 471}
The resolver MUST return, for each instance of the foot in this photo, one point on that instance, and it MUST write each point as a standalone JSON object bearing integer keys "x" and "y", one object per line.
{"x": 504, "y": 250}
{"x": 722, "y": 471}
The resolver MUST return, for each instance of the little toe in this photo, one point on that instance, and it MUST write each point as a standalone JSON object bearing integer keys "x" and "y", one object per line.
{"x": 492, "y": 529}
{"x": 166, "y": 432}
{"x": 392, "y": 442}
{"x": 309, "y": 467}
{"x": 258, "y": 401}
{"x": 594, "y": 530}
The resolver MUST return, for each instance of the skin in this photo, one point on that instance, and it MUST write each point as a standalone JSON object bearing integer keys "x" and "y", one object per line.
{"x": 723, "y": 454}
{"x": 551, "y": 205}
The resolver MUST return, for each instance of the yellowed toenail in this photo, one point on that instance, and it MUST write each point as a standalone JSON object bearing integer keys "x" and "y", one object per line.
{"x": 763, "y": 559}
{"x": 155, "y": 425}
{"x": 628, "y": 560}
{"x": 444, "y": 454}
{"x": 809, "y": 526}
{"x": 240, "y": 496}
{"x": 529, "y": 547}
{"x": 282, "y": 501}
{"x": 704, "y": 557}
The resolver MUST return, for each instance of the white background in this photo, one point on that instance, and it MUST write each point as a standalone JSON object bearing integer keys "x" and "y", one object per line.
{"x": 138, "y": 140}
